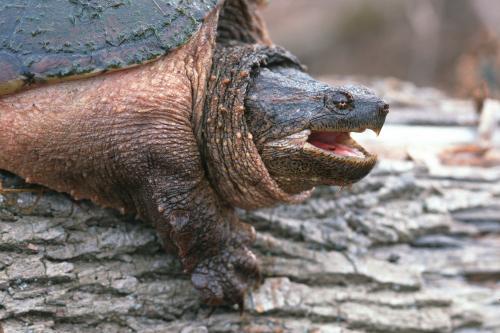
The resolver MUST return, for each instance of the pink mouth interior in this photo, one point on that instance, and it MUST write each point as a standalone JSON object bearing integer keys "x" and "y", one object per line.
{"x": 335, "y": 142}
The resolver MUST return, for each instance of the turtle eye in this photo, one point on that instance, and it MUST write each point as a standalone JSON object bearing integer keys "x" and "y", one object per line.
{"x": 339, "y": 100}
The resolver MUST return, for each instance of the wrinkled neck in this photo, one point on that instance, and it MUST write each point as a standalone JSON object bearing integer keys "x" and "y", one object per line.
{"x": 232, "y": 161}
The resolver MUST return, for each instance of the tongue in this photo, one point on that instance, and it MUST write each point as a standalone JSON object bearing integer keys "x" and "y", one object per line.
{"x": 332, "y": 142}
{"x": 338, "y": 149}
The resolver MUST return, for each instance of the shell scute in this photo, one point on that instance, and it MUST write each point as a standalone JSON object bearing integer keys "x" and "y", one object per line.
{"x": 54, "y": 40}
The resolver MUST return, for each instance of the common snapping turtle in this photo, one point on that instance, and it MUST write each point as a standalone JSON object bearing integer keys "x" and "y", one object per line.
{"x": 178, "y": 111}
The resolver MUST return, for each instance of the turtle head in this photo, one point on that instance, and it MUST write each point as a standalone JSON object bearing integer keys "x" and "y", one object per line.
{"x": 302, "y": 127}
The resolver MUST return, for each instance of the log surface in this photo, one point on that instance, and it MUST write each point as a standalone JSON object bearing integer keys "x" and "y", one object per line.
{"x": 411, "y": 248}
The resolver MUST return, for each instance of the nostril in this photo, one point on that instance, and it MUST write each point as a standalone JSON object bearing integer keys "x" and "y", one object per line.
{"x": 384, "y": 109}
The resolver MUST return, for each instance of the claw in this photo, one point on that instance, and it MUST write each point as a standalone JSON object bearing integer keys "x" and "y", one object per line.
{"x": 244, "y": 233}
{"x": 225, "y": 278}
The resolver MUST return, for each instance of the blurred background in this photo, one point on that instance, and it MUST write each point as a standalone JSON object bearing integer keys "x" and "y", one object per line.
{"x": 449, "y": 44}
{"x": 436, "y": 62}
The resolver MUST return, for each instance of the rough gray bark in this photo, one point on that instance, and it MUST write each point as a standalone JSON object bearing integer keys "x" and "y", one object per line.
{"x": 405, "y": 250}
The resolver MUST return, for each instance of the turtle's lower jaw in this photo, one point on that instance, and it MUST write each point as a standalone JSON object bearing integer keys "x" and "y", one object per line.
{"x": 317, "y": 157}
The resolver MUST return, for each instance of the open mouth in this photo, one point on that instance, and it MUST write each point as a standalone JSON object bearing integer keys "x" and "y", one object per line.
{"x": 336, "y": 143}
{"x": 318, "y": 156}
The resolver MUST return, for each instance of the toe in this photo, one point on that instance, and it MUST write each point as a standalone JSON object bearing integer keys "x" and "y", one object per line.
{"x": 244, "y": 233}
{"x": 225, "y": 278}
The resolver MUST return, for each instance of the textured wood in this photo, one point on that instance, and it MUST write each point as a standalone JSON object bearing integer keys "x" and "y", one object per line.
{"x": 411, "y": 248}
{"x": 387, "y": 255}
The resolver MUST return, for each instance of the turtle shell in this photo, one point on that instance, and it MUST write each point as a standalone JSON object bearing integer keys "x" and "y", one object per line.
{"x": 53, "y": 40}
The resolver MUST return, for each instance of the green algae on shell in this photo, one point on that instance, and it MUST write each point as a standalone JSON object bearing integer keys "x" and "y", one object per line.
{"x": 54, "y": 40}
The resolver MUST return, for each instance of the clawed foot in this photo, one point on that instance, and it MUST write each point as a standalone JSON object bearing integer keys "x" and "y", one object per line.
{"x": 224, "y": 278}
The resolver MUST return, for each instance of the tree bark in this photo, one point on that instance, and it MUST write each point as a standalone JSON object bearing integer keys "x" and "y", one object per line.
{"x": 404, "y": 250}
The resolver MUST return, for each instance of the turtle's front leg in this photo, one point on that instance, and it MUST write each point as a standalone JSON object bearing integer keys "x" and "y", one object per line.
{"x": 225, "y": 277}
{"x": 212, "y": 243}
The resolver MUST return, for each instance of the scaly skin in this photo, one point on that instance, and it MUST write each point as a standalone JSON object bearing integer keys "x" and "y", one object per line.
{"x": 179, "y": 142}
